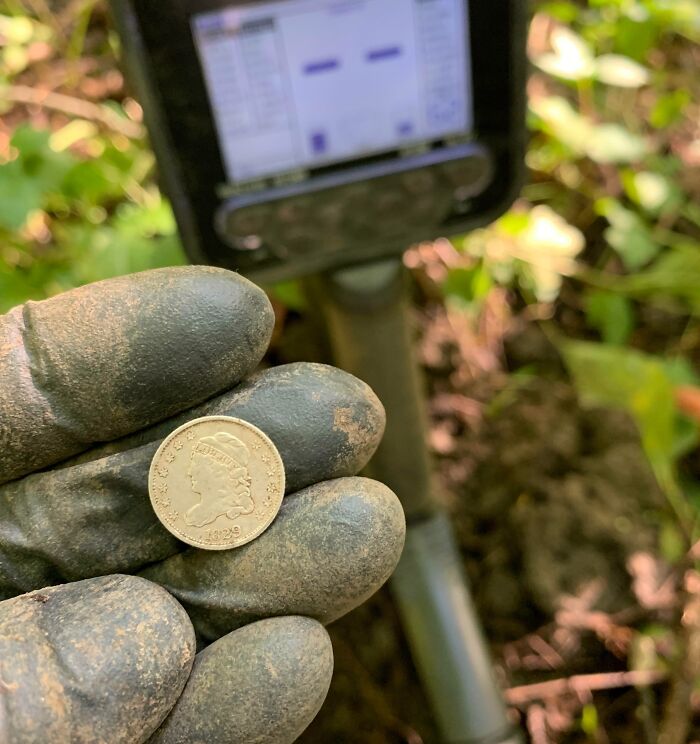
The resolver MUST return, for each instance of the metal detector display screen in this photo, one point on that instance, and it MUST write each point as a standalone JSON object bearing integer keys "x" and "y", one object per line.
{"x": 297, "y": 85}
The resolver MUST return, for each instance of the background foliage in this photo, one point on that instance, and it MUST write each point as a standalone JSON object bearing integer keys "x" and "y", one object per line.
{"x": 78, "y": 201}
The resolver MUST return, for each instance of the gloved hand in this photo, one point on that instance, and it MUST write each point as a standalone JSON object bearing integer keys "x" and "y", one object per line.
{"x": 112, "y": 658}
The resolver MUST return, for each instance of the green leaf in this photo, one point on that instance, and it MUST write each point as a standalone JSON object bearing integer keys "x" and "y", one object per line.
{"x": 676, "y": 273}
{"x": 628, "y": 379}
{"x": 559, "y": 119}
{"x": 16, "y": 29}
{"x": 670, "y": 108}
{"x": 571, "y": 58}
{"x": 19, "y": 195}
{"x": 628, "y": 234}
{"x": 135, "y": 239}
{"x": 620, "y": 71}
{"x": 671, "y": 542}
{"x": 686, "y": 437}
{"x": 468, "y": 284}
{"x": 15, "y": 59}
{"x": 514, "y": 223}
{"x": 603, "y": 143}
{"x": 651, "y": 191}
{"x": 104, "y": 252}
{"x": 589, "y": 720}
{"x": 27, "y": 181}
{"x": 87, "y": 183}
{"x": 636, "y": 37}
{"x": 613, "y": 143}
{"x": 153, "y": 218}
{"x": 611, "y": 314}
{"x": 682, "y": 16}
{"x": 565, "y": 12}
{"x": 691, "y": 491}
{"x": 15, "y": 289}
{"x": 680, "y": 371}
{"x": 538, "y": 247}
{"x": 290, "y": 294}
{"x": 75, "y": 131}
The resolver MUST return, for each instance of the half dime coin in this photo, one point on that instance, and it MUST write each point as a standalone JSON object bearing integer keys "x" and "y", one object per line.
{"x": 216, "y": 482}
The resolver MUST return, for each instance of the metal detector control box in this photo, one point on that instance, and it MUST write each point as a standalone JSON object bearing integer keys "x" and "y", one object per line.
{"x": 295, "y": 136}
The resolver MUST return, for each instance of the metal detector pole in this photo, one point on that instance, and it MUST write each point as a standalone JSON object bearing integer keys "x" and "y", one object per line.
{"x": 366, "y": 311}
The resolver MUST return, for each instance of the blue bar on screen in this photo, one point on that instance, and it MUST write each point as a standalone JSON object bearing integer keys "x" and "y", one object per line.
{"x": 322, "y": 65}
{"x": 375, "y": 55}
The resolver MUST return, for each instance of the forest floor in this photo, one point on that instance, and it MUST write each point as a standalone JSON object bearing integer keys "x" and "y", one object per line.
{"x": 556, "y": 513}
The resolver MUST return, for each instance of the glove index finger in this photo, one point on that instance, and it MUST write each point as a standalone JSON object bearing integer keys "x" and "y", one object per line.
{"x": 109, "y": 358}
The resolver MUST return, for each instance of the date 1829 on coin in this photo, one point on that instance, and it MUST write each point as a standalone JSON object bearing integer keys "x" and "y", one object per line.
{"x": 216, "y": 482}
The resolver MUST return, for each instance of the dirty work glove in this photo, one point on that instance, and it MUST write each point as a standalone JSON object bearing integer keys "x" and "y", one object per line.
{"x": 90, "y": 384}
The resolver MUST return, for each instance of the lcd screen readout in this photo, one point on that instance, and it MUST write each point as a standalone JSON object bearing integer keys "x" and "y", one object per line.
{"x": 299, "y": 84}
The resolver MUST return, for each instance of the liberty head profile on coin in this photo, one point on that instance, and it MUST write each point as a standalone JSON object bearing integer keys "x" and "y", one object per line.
{"x": 216, "y": 482}
{"x": 219, "y": 476}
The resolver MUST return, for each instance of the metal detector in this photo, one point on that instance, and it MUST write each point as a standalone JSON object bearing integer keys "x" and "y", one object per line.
{"x": 321, "y": 138}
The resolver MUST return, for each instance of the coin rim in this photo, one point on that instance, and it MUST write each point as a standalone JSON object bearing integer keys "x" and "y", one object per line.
{"x": 227, "y": 419}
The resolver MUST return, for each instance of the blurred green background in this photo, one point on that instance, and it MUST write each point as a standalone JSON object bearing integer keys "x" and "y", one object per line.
{"x": 601, "y": 252}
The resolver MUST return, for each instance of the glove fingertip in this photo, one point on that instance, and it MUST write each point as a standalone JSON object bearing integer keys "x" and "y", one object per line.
{"x": 263, "y": 683}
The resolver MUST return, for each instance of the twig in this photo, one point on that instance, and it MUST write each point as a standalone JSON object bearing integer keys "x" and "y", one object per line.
{"x": 537, "y": 724}
{"x": 675, "y": 723}
{"x": 41, "y": 9}
{"x": 72, "y": 106}
{"x": 647, "y": 715}
{"x": 525, "y": 694}
{"x": 545, "y": 651}
{"x": 7, "y": 686}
